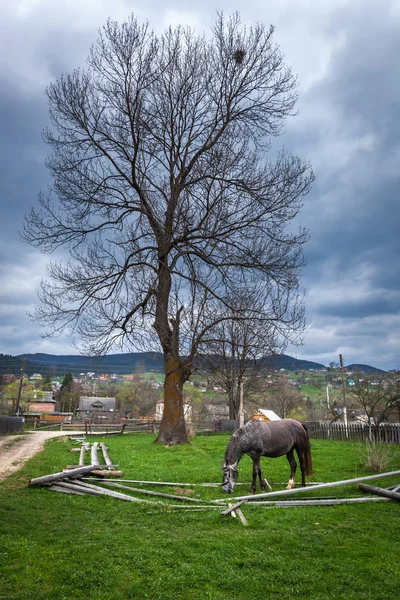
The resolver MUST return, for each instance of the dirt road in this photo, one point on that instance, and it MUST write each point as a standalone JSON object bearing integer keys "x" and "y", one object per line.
{"x": 16, "y": 449}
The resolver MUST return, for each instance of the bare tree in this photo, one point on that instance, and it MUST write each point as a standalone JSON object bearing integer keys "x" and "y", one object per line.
{"x": 285, "y": 399}
{"x": 238, "y": 348}
{"x": 164, "y": 196}
{"x": 378, "y": 395}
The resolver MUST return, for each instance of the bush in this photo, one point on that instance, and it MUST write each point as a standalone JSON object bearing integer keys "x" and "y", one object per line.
{"x": 377, "y": 456}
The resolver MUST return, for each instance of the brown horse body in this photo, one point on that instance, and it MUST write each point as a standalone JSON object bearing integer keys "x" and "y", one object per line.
{"x": 272, "y": 439}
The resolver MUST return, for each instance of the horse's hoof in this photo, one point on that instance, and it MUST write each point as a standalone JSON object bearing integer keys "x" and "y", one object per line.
{"x": 252, "y": 491}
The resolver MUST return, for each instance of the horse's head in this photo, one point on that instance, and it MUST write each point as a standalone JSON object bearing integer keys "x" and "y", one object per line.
{"x": 230, "y": 475}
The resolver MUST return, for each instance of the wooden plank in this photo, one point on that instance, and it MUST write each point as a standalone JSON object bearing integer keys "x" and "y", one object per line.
{"x": 62, "y": 475}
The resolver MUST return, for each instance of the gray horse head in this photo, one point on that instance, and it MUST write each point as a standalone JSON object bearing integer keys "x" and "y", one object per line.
{"x": 229, "y": 478}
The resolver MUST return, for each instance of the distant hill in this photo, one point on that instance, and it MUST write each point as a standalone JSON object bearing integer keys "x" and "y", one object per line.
{"x": 121, "y": 364}
{"x": 283, "y": 361}
{"x": 75, "y": 363}
{"x": 363, "y": 368}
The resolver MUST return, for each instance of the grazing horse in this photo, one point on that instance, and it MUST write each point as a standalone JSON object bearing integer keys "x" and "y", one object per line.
{"x": 272, "y": 439}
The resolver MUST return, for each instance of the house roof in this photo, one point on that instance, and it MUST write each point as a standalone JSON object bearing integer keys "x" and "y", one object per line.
{"x": 47, "y": 397}
{"x": 96, "y": 403}
{"x": 265, "y": 415}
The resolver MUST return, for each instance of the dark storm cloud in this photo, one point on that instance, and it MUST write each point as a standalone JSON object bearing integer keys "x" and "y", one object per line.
{"x": 349, "y": 127}
{"x": 22, "y": 172}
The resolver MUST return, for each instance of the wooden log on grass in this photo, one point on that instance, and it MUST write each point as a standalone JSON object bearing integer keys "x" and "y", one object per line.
{"x": 74, "y": 487}
{"x": 316, "y": 502}
{"x": 100, "y": 490}
{"x": 242, "y": 499}
{"x": 58, "y": 488}
{"x": 242, "y": 517}
{"x": 62, "y": 475}
{"x": 107, "y": 460}
{"x": 84, "y": 448}
{"x": 380, "y": 491}
{"x": 170, "y": 483}
{"x": 394, "y": 488}
{"x": 102, "y": 474}
{"x": 151, "y": 493}
{"x": 94, "y": 457}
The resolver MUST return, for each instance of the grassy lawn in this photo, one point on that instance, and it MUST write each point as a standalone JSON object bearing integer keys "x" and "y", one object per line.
{"x": 59, "y": 546}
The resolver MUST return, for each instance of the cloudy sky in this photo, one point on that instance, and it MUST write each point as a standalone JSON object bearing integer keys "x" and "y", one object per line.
{"x": 346, "y": 55}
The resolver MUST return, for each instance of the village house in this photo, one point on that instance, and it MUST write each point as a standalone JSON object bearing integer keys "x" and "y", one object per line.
{"x": 43, "y": 407}
{"x": 187, "y": 410}
{"x": 90, "y": 406}
{"x": 43, "y": 402}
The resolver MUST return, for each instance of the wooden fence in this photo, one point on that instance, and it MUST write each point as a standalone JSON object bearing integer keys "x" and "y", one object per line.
{"x": 11, "y": 424}
{"x": 152, "y": 425}
{"x": 355, "y": 432}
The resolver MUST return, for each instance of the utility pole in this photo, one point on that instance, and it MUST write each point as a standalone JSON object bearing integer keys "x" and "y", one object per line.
{"x": 20, "y": 387}
{"x": 344, "y": 395}
{"x": 241, "y": 411}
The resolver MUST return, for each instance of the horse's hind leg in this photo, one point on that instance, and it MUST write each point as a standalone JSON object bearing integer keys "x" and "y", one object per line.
{"x": 293, "y": 467}
{"x": 302, "y": 462}
{"x": 256, "y": 467}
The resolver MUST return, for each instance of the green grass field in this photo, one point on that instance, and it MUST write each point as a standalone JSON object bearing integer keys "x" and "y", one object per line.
{"x": 58, "y": 546}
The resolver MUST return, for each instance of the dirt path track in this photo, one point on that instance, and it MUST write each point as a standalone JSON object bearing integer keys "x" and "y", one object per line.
{"x": 16, "y": 449}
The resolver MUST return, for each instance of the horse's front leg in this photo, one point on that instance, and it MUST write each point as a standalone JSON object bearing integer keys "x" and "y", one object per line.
{"x": 257, "y": 471}
{"x": 293, "y": 467}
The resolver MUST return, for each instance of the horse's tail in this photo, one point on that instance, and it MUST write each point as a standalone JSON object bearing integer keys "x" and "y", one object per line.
{"x": 307, "y": 453}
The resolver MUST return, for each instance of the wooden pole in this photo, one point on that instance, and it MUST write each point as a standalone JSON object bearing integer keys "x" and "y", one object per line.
{"x": 318, "y": 502}
{"x": 59, "y": 488}
{"x": 107, "y": 492}
{"x": 380, "y": 491}
{"x": 169, "y": 483}
{"x": 83, "y": 450}
{"x": 344, "y": 396}
{"x": 150, "y": 493}
{"x": 63, "y": 475}
{"x": 95, "y": 460}
{"x": 242, "y": 517}
{"x": 241, "y": 410}
{"x": 242, "y": 499}
{"x": 107, "y": 460}
{"x": 20, "y": 387}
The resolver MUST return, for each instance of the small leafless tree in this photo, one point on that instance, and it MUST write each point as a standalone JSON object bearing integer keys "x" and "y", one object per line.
{"x": 238, "y": 348}
{"x": 164, "y": 195}
{"x": 285, "y": 399}
{"x": 378, "y": 395}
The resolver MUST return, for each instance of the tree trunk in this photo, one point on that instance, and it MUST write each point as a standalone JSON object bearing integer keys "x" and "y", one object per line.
{"x": 173, "y": 427}
{"x": 231, "y": 395}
